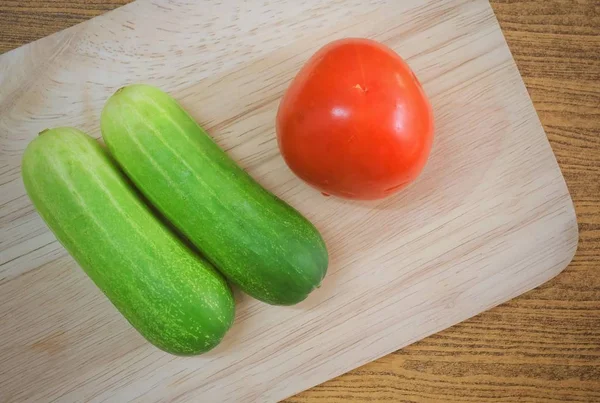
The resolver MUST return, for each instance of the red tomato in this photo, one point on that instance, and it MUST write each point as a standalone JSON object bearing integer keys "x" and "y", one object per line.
{"x": 355, "y": 121}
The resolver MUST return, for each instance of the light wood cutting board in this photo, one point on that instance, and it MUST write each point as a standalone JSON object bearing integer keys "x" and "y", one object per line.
{"x": 489, "y": 219}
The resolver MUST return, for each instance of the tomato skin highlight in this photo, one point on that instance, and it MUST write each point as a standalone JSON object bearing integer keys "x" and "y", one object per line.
{"x": 355, "y": 121}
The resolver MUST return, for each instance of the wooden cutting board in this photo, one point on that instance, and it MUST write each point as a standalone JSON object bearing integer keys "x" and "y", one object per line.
{"x": 489, "y": 219}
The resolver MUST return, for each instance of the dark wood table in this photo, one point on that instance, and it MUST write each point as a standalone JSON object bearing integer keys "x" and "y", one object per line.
{"x": 542, "y": 346}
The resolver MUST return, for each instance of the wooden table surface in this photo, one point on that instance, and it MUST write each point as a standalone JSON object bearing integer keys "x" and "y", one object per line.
{"x": 542, "y": 346}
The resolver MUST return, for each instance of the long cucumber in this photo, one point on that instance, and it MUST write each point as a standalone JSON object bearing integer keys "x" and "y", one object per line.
{"x": 255, "y": 239}
{"x": 175, "y": 299}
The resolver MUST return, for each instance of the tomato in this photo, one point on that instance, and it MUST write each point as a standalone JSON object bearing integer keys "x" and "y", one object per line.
{"x": 355, "y": 122}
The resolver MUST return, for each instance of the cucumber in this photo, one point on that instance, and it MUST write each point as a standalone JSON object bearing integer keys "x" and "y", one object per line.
{"x": 257, "y": 241}
{"x": 176, "y": 300}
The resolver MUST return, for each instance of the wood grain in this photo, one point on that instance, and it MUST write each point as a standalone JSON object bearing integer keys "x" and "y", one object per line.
{"x": 543, "y": 346}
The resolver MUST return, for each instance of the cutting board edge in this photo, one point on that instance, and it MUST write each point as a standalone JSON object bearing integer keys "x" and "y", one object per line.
{"x": 548, "y": 275}
{"x": 8, "y": 54}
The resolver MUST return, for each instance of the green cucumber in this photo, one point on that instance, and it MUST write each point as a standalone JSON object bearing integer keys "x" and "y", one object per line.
{"x": 256, "y": 240}
{"x": 176, "y": 300}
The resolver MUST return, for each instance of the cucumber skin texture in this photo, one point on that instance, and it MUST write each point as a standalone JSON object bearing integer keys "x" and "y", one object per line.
{"x": 257, "y": 241}
{"x": 176, "y": 300}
